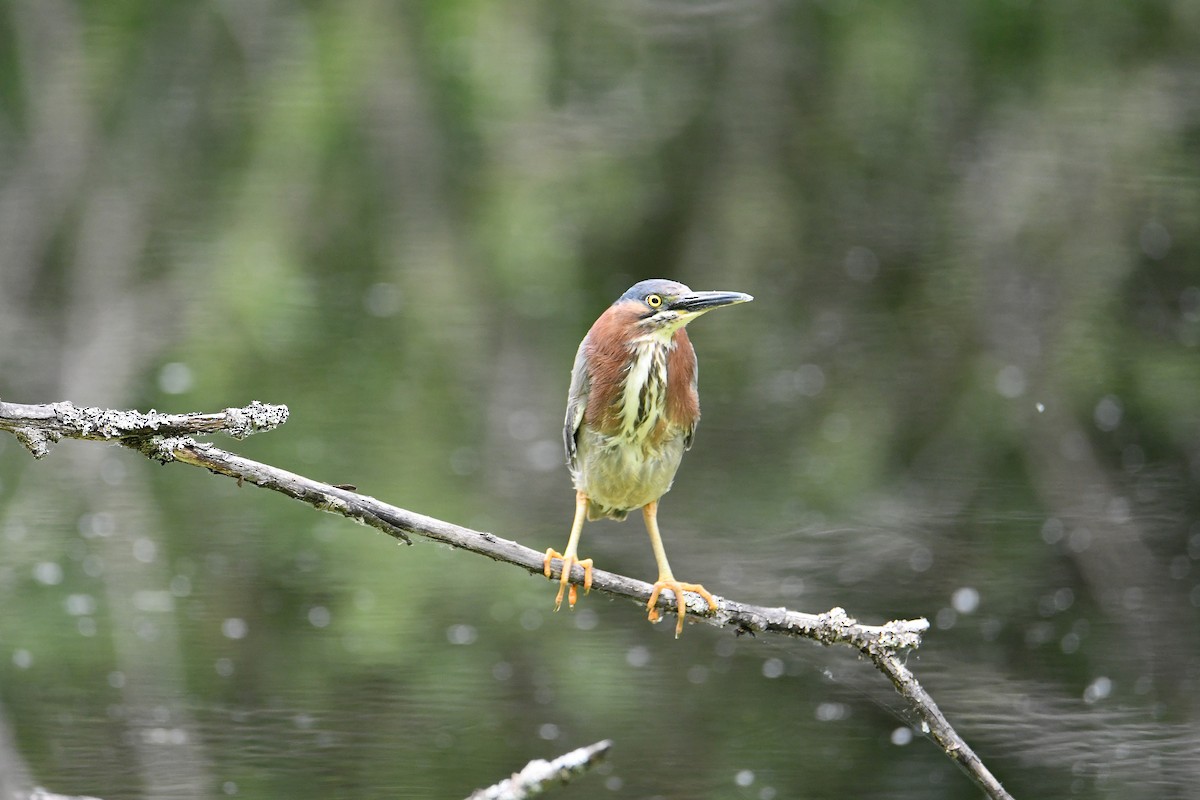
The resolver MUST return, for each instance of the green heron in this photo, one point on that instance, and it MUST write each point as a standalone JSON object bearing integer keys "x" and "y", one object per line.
{"x": 631, "y": 412}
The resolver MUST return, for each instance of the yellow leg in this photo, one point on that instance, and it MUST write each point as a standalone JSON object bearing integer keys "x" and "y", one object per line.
{"x": 571, "y": 557}
{"x": 666, "y": 579}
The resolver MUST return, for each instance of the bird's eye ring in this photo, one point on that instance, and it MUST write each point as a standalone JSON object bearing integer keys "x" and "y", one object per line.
{"x": 654, "y": 301}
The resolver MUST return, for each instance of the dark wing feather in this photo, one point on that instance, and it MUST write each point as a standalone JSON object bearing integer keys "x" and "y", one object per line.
{"x": 577, "y": 400}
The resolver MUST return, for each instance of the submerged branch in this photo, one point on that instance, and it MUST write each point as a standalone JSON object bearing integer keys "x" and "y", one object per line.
{"x": 882, "y": 644}
{"x": 540, "y": 775}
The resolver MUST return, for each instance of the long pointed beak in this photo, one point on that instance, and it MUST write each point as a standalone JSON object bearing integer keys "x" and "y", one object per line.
{"x": 699, "y": 302}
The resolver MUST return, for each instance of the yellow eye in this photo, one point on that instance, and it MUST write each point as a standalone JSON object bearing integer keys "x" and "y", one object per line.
{"x": 654, "y": 301}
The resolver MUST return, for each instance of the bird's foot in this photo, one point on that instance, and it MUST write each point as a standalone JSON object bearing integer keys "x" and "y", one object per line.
{"x": 678, "y": 588}
{"x": 568, "y": 563}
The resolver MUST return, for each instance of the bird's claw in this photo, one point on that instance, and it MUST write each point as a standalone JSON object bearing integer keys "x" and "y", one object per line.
{"x": 677, "y": 588}
{"x": 564, "y": 585}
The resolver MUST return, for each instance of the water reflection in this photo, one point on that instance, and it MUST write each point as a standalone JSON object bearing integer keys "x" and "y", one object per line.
{"x": 966, "y": 391}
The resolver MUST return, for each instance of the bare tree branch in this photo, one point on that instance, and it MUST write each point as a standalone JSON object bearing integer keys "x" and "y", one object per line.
{"x": 882, "y": 644}
{"x": 831, "y": 627}
{"x": 539, "y": 774}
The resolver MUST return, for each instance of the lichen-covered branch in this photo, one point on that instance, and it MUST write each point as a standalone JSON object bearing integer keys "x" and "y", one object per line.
{"x": 157, "y": 436}
{"x": 540, "y": 775}
{"x": 39, "y": 426}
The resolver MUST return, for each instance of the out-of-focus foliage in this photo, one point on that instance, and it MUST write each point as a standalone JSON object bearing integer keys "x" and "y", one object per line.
{"x": 967, "y": 389}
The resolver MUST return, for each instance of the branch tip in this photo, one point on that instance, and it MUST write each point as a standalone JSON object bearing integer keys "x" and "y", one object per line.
{"x": 243, "y": 422}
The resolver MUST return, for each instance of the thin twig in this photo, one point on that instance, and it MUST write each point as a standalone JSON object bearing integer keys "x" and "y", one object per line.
{"x": 935, "y": 724}
{"x": 540, "y": 775}
{"x": 882, "y": 644}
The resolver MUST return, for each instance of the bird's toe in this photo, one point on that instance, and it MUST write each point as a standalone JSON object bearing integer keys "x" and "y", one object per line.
{"x": 677, "y": 588}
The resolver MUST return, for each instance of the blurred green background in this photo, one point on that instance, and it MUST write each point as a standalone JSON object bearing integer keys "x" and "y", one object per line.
{"x": 968, "y": 389}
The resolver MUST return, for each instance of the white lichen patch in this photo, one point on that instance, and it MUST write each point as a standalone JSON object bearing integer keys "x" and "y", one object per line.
{"x": 35, "y": 440}
{"x": 242, "y": 422}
